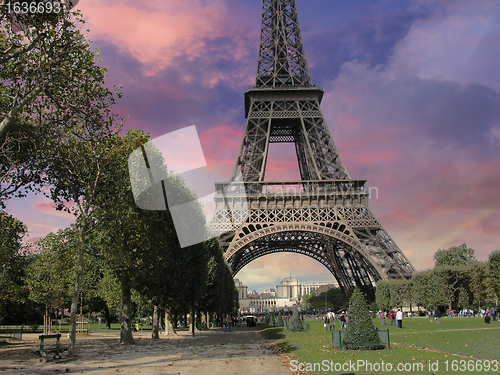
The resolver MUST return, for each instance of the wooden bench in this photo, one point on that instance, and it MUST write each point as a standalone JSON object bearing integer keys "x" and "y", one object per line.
{"x": 43, "y": 351}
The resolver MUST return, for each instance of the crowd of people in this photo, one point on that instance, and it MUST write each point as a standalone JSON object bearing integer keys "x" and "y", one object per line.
{"x": 492, "y": 312}
{"x": 395, "y": 318}
{"x": 330, "y": 317}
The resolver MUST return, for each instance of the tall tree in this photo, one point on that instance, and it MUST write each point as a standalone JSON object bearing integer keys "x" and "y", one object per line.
{"x": 454, "y": 256}
{"x": 50, "y": 275}
{"x": 74, "y": 165}
{"x": 494, "y": 271}
{"x": 478, "y": 273}
{"x": 141, "y": 247}
{"x": 13, "y": 262}
{"x": 43, "y": 68}
{"x": 53, "y": 91}
{"x": 383, "y": 296}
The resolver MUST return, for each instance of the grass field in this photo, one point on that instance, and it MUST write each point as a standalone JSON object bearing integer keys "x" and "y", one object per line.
{"x": 455, "y": 346}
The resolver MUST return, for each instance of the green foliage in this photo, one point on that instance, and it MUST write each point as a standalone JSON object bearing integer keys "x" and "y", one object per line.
{"x": 477, "y": 274}
{"x": 50, "y": 85}
{"x": 334, "y": 297}
{"x": 383, "y": 296}
{"x": 272, "y": 319}
{"x": 267, "y": 319}
{"x": 109, "y": 289}
{"x": 361, "y": 333}
{"x": 51, "y": 274}
{"x": 494, "y": 271}
{"x": 13, "y": 262}
{"x": 279, "y": 321}
{"x": 296, "y": 322}
{"x": 454, "y": 256}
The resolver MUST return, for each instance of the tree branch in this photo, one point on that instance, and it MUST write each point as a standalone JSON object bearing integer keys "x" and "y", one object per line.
{"x": 9, "y": 122}
{"x": 9, "y": 56}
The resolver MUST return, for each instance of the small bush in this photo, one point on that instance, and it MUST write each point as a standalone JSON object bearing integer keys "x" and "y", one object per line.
{"x": 280, "y": 320}
{"x": 296, "y": 323}
{"x": 361, "y": 333}
{"x": 272, "y": 320}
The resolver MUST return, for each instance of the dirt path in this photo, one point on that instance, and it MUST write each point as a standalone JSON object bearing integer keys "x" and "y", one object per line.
{"x": 242, "y": 351}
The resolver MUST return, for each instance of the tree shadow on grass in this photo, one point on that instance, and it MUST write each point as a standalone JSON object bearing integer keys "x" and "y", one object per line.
{"x": 271, "y": 333}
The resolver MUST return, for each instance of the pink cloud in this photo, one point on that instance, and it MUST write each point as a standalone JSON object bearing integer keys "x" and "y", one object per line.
{"x": 461, "y": 45}
{"x": 155, "y": 34}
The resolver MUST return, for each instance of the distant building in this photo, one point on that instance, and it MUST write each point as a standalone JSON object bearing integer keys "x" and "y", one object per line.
{"x": 242, "y": 289}
{"x": 286, "y": 295}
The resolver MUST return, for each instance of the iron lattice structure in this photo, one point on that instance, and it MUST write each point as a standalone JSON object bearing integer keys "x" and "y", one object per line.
{"x": 325, "y": 215}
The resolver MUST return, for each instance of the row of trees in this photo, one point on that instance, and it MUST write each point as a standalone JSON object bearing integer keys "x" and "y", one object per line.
{"x": 332, "y": 298}
{"x": 458, "y": 280}
{"x": 59, "y": 136}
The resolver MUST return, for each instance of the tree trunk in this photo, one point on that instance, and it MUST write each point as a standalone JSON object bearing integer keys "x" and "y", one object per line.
{"x": 107, "y": 317}
{"x": 175, "y": 319}
{"x": 193, "y": 319}
{"x": 76, "y": 291}
{"x": 156, "y": 321}
{"x": 169, "y": 330}
{"x": 125, "y": 316}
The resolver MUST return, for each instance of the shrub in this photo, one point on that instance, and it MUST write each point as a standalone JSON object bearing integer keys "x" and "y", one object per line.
{"x": 280, "y": 320}
{"x": 296, "y": 322}
{"x": 361, "y": 333}
{"x": 272, "y": 320}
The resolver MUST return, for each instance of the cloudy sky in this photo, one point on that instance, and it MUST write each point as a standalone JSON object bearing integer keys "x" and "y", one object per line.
{"x": 412, "y": 99}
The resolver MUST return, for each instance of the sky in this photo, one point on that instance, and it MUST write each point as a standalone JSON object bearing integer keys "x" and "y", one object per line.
{"x": 412, "y": 100}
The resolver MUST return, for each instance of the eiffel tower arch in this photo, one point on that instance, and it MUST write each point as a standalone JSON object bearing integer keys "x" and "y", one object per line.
{"x": 325, "y": 214}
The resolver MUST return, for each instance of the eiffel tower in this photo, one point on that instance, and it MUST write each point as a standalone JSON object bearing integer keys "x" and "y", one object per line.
{"x": 325, "y": 215}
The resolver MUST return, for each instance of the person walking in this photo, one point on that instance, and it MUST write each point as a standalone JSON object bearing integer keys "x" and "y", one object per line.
{"x": 392, "y": 318}
{"x": 382, "y": 318}
{"x": 342, "y": 321}
{"x": 332, "y": 322}
{"x": 399, "y": 319}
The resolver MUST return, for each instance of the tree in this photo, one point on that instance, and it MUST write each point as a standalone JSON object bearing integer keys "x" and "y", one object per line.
{"x": 428, "y": 289}
{"x": 383, "y": 296}
{"x": 454, "y": 256}
{"x": 213, "y": 301}
{"x": 478, "y": 273}
{"x": 296, "y": 322}
{"x": 463, "y": 298}
{"x": 280, "y": 322}
{"x": 50, "y": 275}
{"x": 75, "y": 162}
{"x": 43, "y": 70}
{"x": 13, "y": 261}
{"x": 361, "y": 333}
{"x": 334, "y": 297}
{"x": 53, "y": 91}
{"x": 272, "y": 319}
{"x": 141, "y": 247}
{"x": 420, "y": 288}
{"x": 494, "y": 271}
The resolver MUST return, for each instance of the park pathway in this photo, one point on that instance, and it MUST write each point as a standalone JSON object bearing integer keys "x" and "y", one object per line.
{"x": 242, "y": 351}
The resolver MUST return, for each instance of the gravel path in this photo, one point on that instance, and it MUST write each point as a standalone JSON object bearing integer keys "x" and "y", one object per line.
{"x": 242, "y": 351}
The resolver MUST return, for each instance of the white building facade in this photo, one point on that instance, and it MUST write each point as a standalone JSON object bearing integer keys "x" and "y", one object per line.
{"x": 286, "y": 295}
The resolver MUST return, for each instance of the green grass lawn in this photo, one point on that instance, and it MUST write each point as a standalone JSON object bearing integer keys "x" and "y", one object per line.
{"x": 420, "y": 347}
